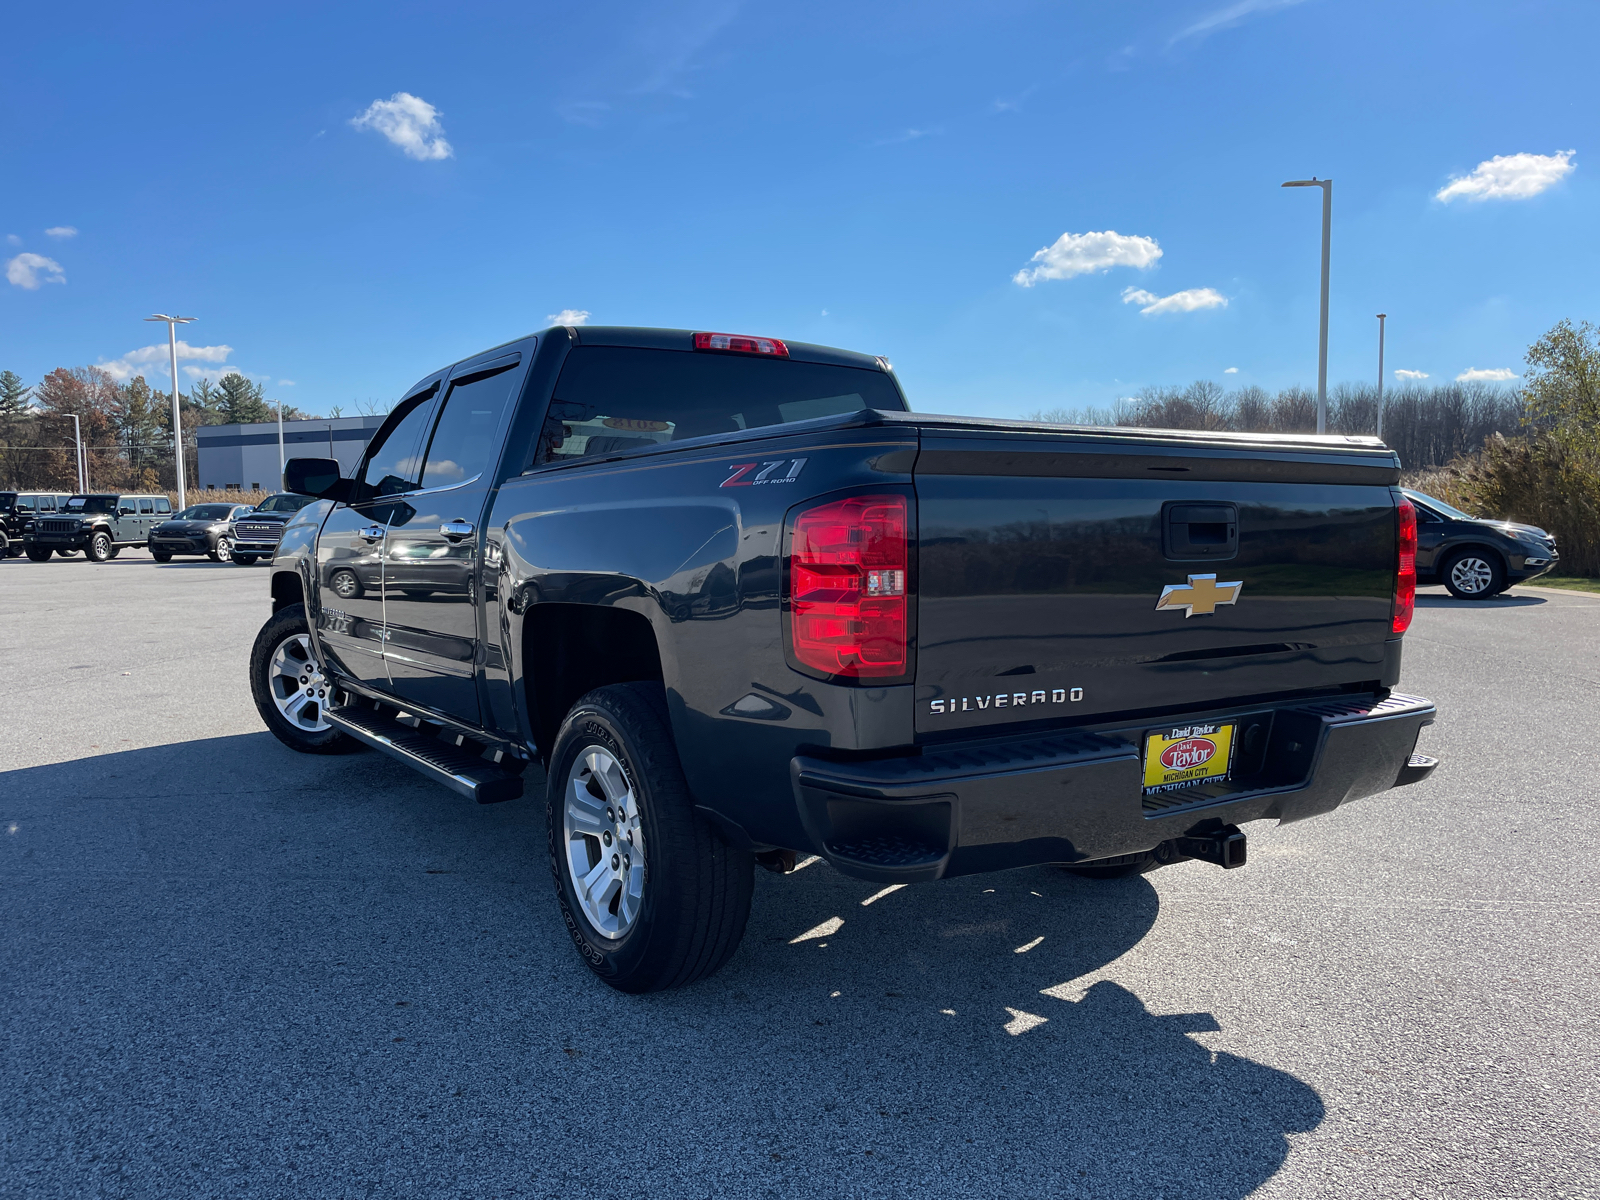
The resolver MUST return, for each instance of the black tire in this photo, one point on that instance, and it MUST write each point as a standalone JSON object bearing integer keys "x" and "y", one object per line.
{"x": 66, "y": 553}
{"x": 285, "y": 625}
{"x": 223, "y": 549}
{"x": 696, "y": 888}
{"x": 37, "y": 554}
{"x": 115, "y": 550}
{"x": 1473, "y": 575}
{"x": 243, "y": 560}
{"x": 99, "y": 548}
{"x": 161, "y": 555}
{"x": 6, "y": 548}
{"x": 345, "y": 585}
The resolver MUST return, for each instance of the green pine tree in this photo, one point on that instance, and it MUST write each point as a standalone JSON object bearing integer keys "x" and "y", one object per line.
{"x": 242, "y": 402}
{"x": 13, "y": 396}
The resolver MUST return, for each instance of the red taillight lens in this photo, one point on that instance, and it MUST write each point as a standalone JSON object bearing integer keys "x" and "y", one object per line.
{"x": 847, "y": 587}
{"x": 1405, "y": 570}
{"x": 738, "y": 343}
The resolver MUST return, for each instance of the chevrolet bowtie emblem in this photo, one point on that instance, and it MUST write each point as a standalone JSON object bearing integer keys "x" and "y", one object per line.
{"x": 1201, "y": 595}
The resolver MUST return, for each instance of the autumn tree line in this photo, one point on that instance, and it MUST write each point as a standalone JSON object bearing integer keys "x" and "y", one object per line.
{"x": 127, "y": 427}
{"x": 1529, "y": 453}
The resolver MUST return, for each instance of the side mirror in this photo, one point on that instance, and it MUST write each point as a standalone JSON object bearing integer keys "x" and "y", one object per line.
{"x": 317, "y": 477}
{"x": 124, "y": 511}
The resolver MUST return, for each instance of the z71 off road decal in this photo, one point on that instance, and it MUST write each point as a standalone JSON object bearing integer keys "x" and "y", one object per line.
{"x": 765, "y": 474}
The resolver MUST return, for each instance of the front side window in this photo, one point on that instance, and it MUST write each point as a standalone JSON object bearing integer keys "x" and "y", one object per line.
{"x": 91, "y": 504}
{"x": 610, "y": 399}
{"x": 394, "y": 460}
{"x": 12, "y": 502}
{"x": 47, "y": 504}
{"x": 464, "y": 441}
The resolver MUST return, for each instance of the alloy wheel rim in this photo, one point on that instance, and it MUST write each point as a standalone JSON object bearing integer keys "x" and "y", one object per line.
{"x": 344, "y": 584}
{"x": 298, "y": 686}
{"x": 102, "y": 545}
{"x": 605, "y": 843}
{"x": 224, "y": 547}
{"x": 1471, "y": 575}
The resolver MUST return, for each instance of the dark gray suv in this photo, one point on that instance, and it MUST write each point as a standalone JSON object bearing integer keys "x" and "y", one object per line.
{"x": 1474, "y": 557}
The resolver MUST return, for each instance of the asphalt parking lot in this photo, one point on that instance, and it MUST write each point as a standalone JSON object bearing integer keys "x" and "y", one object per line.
{"x": 229, "y": 969}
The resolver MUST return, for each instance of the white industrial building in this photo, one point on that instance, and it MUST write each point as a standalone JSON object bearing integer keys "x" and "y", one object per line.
{"x": 245, "y": 457}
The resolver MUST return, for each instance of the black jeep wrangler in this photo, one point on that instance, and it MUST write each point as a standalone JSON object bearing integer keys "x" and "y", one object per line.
{"x": 17, "y": 509}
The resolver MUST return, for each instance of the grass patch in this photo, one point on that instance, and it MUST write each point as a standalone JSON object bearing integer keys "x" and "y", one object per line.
{"x": 1576, "y": 583}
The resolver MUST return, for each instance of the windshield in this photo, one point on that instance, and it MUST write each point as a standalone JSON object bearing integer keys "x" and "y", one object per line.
{"x": 205, "y": 512}
{"x": 284, "y": 502}
{"x": 1439, "y": 506}
{"x": 92, "y": 504}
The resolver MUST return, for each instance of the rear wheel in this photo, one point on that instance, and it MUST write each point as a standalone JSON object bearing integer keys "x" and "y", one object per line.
{"x": 224, "y": 549}
{"x": 37, "y": 554}
{"x": 66, "y": 553}
{"x": 651, "y": 894}
{"x": 291, "y": 693}
{"x": 1473, "y": 575}
{"x": 100, "y": 548}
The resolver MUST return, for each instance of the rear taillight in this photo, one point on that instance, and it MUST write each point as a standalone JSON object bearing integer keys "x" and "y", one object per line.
{"x": 1405, "y": 569}
{"x": 847, "y": 587}
{"x": 738, "y": 343}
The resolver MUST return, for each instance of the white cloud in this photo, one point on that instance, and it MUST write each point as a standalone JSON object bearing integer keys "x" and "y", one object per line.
{"x": 133, "y": 362}
{"x": 13, "y": 239}
{"x": 569, "y": 316}
{"x": 410, "y": 122}
{"x": 1190, "y": 300}
{"x": 1230, "y": 370}
{"x": 24, "y": 269}
{"x": 61, "y": 231}
{"x": 1083, "y": 253}
{"x": 584, "y": 112}
{"x": 1224, "y": 18}
{"x": 1510, "y": 177}
{"x": 285, "y": 383}
{"x": 212, "y": 373}
{"x": 1485, "y": 375}
{"x": 909, "y": 135}
{"x": 1404, "y": 374}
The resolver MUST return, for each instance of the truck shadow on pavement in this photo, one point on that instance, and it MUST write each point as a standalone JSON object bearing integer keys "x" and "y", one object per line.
{"x": 328, "y": 977}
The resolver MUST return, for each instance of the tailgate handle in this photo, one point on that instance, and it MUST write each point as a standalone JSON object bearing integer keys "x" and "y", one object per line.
{"x": 1191, "y": 532}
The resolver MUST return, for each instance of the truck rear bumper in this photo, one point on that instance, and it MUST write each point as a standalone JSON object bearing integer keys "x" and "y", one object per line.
{"x": 1078, "y": 796}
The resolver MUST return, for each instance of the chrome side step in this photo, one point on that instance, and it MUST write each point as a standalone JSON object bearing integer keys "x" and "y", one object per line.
{"x": 454, "y": 765}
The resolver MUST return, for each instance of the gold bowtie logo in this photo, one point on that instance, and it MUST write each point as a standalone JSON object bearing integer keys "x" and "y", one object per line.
{"x": 1202, "y": 594}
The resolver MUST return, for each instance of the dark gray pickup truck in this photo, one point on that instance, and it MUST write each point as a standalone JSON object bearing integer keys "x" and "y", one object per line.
{"x": 725, "y": 601}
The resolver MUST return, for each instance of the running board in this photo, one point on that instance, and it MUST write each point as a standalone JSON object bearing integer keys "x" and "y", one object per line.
{"x": 455, "y": 766}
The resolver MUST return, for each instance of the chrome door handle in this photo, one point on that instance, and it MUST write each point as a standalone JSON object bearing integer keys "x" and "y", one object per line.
{"x": 456, "y": 530}
{"x": 372, "y": 533}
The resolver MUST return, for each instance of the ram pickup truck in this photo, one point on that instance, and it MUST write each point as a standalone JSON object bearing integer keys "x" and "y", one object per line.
{"x": 726, "y": 600}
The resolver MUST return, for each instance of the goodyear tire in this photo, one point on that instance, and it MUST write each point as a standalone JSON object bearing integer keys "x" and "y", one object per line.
{"x": 99, "y": 548}
{"x": 651, "y": 894}
{"x": 284, "y": 638}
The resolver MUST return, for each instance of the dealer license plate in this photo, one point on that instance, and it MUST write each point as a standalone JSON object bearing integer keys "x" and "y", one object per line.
{"x": 1186, "y": 755}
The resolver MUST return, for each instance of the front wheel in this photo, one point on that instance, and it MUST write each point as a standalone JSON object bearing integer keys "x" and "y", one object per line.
{"x": 243, "y": 560}
{"x": 161, "y": 555}
{"x": 291, "y": 693}
{"x": 224, "y": 549}
{"x": 66, "y": 553}
{"x": 652, "y": 895}
{"x": 38, "y": 554}
{"x": 99, "y": 548}
{"x": 1471, "y": 575}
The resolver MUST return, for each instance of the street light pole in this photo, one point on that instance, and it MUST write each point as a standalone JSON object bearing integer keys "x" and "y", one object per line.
{"x": 83, "y": 466}
{"x": 1381, "y": 317}
{"x": 282, "y": 462}
{"x": 1322, "y": 338}
{"x": 177, "y": 420}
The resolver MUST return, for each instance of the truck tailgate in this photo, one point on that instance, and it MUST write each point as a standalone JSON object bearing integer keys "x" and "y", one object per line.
{"x": 1043, "y": 561}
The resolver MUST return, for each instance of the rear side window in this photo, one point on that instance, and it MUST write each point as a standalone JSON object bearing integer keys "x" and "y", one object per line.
{"x": 464, "y": 440}
{"x": 146, "y": 506}
{"x": 163, "y": 505}
{"x": 611, "y": 398}
{"x": 394, "y": 460}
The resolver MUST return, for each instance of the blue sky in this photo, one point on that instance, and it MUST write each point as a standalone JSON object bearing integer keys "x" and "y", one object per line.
{"x": 870, "y": 176}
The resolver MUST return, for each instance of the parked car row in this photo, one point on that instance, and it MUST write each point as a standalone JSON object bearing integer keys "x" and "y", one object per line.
{"x": 104, "y": 524}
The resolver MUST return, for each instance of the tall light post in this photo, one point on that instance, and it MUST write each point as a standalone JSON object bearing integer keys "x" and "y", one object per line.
{"x": 177, "y": 420}
{"x": 1322, "y": 340}
{"x": 282, "y": 461}
{"x": 1381, "y": 317}
{"x": 83, "y": 463}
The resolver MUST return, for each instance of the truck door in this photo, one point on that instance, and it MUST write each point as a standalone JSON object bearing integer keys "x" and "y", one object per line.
{"x": 350, "y": 547}
{"x": 430, "y": 584}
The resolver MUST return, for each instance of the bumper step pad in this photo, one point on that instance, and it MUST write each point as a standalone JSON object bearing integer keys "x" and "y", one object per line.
{"x": 423, "y": 747}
